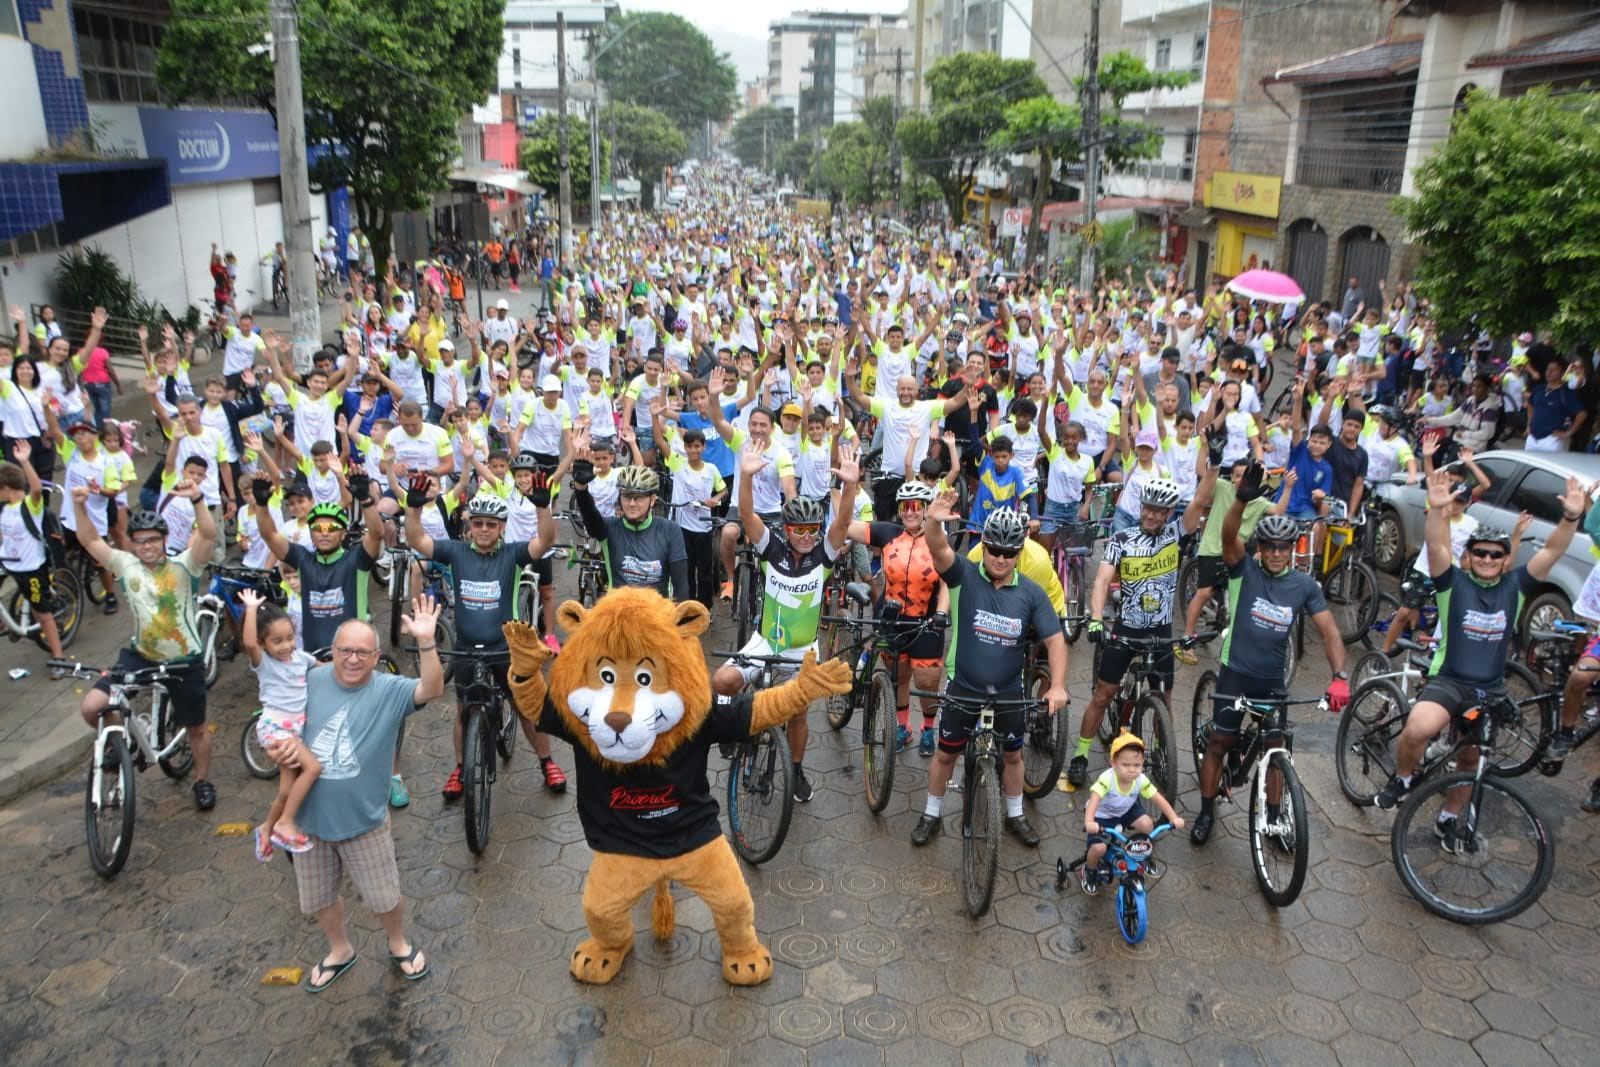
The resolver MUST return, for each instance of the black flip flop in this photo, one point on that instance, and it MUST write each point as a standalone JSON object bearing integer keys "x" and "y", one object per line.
{"x": 337, "y": 971}
{"x": 401, "y": 961}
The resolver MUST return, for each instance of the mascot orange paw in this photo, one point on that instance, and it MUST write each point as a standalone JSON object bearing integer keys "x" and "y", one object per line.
{"x": 598, "y": 964}
{"x": 747, "y": 968}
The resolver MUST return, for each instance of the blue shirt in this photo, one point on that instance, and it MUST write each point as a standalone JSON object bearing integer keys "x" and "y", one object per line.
{"x": 547, "y": 268}
{"x": 1552, "y": 409}
{"x": 1310, "y": 474}
{"x": 846, "y": 309}
{"x": 382, "y": 408}
{"x": 717, "y": 452}
{"x": 996, "y": 489}
{"x": 352, "y": 732}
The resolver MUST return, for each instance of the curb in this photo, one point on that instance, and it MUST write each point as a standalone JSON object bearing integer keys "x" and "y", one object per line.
{"x": 66, "y": 745}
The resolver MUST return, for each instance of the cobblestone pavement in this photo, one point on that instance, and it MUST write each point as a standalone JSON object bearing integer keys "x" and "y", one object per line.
{"x": 877, "y": 961}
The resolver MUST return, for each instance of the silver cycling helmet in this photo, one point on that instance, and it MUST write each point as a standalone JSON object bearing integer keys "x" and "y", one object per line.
{"x": 1160, "y": 493}
{"x": 487, "y": 506}
{"x": 1005, "y": 529}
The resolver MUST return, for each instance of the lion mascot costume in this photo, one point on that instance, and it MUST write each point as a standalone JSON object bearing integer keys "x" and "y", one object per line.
{"x": 631, "y": 692}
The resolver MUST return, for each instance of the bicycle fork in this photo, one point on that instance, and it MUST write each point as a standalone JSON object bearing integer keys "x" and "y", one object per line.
{"x": 99, "y": 768}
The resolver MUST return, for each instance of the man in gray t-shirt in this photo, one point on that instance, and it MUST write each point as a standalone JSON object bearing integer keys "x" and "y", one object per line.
{"x": 353, "y": 718}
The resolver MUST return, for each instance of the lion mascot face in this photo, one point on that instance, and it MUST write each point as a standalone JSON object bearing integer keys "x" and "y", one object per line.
{"x": 632, "y": 675}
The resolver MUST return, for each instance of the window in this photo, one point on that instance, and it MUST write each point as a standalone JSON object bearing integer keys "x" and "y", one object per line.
{"x": 10, "y": 26}
{"x": 1539, "y": 495}
{"x": 268, "y": 191}
{"x": 1199, "y": 50}
{"x": 516, "y": 62}
{"x": 1163, "y": 53}
{"x": 117, "y": 56}
{"x": 1502, "y": 472}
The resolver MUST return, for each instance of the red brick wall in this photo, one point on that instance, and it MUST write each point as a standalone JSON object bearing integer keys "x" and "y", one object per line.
{"x": 1223, "y": 38}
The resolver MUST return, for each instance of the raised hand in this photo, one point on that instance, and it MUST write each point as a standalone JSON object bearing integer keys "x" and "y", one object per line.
{"x": 423, "y": 621}
{"x": 261, "y": 488}
{"x": 752, "y": 460}
{"x": 251, "y": 599}
{"x": 1440, "y": 491}
{"x": 21, "y": 449}
{"x": 849, "y": 469}
{"x": 1574, "y": 501}
{"x": 943, "y": 508}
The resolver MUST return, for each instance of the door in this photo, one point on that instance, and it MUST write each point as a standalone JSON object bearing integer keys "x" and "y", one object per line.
{"x": 1308, "y": 257}
{"x": 1202, "y": 265}
{"x": 1366, "y": 258}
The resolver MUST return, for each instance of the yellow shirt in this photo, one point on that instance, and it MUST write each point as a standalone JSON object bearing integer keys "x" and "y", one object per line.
{"x": 1034, "y": 565}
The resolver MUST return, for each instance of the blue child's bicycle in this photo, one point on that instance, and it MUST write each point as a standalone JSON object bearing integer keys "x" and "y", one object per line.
{"x": 1128, "y": 866}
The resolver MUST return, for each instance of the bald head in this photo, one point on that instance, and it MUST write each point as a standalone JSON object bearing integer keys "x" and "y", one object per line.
{"x": 355, "y": 653}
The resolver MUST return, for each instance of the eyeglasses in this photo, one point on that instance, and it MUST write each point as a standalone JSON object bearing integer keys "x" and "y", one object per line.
{"x": 326, "y": 527}
{"x": 810, "y": 529}
{"x": 485, "y": 524}
{"x": 1488, "y": 553}
{"x": 1001, "y": 553}
{"x": 355, "y": 653}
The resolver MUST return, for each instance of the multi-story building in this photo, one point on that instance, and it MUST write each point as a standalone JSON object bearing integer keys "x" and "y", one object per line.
{"x": 813, "y": 67}
{"x": 527, "y": 67}
{"x": 884, "y": 60}
{"x": 1361, "y": 121}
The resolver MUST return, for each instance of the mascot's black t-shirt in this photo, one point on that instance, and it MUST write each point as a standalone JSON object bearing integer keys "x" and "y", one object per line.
{"x": 652, "y": 810}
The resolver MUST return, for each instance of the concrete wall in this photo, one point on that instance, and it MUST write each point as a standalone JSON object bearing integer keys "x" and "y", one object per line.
{"x": 22, "y": 133}
{"x": 1339, "y": 211}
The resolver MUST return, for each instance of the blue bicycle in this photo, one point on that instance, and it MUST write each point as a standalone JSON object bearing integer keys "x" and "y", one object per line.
{"x": 1128, "y": 866}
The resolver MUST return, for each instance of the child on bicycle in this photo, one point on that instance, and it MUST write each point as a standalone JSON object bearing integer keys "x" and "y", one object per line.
{"x": 281, "y": 675}
{"x": 23, "y": 555}
{"x": 1117, "y": 798}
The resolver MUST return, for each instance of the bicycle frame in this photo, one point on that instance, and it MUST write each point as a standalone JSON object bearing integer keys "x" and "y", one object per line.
{"x": 26, "y": 626}
{"x": 134, "y": 726}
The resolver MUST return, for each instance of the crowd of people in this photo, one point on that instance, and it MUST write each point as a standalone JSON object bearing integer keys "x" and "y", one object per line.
{"x": 901, "y": 408}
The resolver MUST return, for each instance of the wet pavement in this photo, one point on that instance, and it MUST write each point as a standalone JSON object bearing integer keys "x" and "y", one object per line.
{"x": 876, "y": 960}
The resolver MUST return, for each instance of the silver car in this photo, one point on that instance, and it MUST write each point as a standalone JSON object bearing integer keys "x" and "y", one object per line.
{"x": 1518, "y": 481}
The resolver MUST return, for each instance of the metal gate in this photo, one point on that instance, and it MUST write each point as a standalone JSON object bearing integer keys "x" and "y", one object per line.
{"x": 1308, "y": 257}
{"x": 1202, "y": 265}
{"x": 1366, "y": 258}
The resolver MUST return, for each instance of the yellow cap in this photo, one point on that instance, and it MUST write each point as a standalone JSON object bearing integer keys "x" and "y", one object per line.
{"x": 1125, "y": 739}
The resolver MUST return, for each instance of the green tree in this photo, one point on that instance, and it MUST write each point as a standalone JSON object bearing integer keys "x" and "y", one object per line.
{"x": 646, "y": 143}
{"x": 540, "y": 153}
{"x": 855, "y": 163}
{"x": 758, "y": 136}
{"x": 1049, "y": 128}
{"x": 643, "y": 49}
{"x": 795, "y": 162}
{"x": 1128, "y": 141}
{"x": 1123, "y": 246}
{"x": 385, "y": 83}
{"x": 969, "y": 92}
{"x": 1507, "y": 209}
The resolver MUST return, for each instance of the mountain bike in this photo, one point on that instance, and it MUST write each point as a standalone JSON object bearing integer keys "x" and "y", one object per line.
{"x": 1349, "y": 583}
{"x": 875, "y": 686}
{"x": 219, "y": 613}
{"x": 1555, "y": 652}
{"x": 1070, "y": 554}
{"x": 485, "y": 728}
{"x": 1045, "y": 738}
{"x": 66, "y": 604}
{"x": 1468, "y": 845}
{"x": 747, "y": 586}
{"x": 982, "y": 813}
{"x": 844, "y": 605}
{"x": 1263, "y": 758}
{"x": 108, "y": 807}
{"x": 1128, "y": 866}
{"x": 1138, "y": 705}
{"x": 760, "y": 776}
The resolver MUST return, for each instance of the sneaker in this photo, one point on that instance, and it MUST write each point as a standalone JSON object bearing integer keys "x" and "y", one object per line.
{"x": 1088, "y": 881}
{"x": 1022, "y": 830}
{"x": 555, "y": 779}
{"x": 205, "y": 795}
{"x": 452, "y": 785}
{"x": 1200, "y": 832}
{"x": 399, "y": 796}
{"x": 1078, "y": 770}
{"x": 928, "y": 826}
{"x": 1561, "y": 744}
{"x": 552, "y": 642}
{"x": 925, "y": 744}
{"x": 111, "y": 604}
{"x": 726, "y": 592}
{"x": 1392, "y": 793}
{"x": 1184, "y": 655}
{"x": 902, "y": 738}
{"x": 1445, "y": 831}
{"x": 802, "y": 787}
{"x": 1591, "y": 803}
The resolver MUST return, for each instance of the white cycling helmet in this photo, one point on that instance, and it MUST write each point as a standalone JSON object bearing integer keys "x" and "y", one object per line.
{"x": 914, "y": 490}
{"x": 1160, "y": 493}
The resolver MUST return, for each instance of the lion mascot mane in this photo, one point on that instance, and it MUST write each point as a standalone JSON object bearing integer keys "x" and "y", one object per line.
{"x": 631, "y": 692}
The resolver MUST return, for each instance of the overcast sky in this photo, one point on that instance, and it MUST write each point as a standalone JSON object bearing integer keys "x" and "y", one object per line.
{"x": 739, "y": 27}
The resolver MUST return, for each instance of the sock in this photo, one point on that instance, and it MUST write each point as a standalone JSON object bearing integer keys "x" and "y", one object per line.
{"x": 1083, "y": 747}
{"x": 1405, "y": 780}
{"x": 797, "y": 770}
{"x": 903, "y": 716}
{"x": 1206, "y": 804}
{"x": 1014, "y": 806}
{"x": 934, "y": 806}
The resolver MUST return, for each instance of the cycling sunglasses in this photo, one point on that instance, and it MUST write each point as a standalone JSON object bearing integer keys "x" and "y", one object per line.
{"x": 1002, "y": 553}
{"x": 327, "y": 527}
{"x": 1277, "y": 546}
{"x": 1488, "y": 553}
{"x": 912, "y": 507}
{"x": 809, "y": 529}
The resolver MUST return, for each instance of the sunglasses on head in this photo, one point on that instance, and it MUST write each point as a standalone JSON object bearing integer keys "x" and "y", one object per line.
{"x": 1489, "y": 553}
{"x": 1002, "y": 553}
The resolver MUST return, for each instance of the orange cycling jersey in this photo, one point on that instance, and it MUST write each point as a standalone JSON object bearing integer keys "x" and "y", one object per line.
{"x": 909, "y": 575}
{"x": 458, "y": 285}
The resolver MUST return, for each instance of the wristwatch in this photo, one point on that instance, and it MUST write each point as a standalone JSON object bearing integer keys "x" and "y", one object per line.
{"x": 1342, "y": 675}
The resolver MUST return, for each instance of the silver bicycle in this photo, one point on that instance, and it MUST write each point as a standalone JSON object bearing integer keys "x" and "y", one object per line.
{"x": 135, "y": 730}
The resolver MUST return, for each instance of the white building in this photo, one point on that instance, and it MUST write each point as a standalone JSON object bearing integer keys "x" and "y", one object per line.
{"x": 527, "y": 66}
{"x": 813, "y": 66}
{"x": 1170, "y": 36}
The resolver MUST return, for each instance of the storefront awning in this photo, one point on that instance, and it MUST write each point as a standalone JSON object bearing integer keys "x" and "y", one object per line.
{"x": 1071, "y": 211}
{"x": 81, "y": 198}
{"x": 515, "y": 181}
{"x": 1381, "y": 60}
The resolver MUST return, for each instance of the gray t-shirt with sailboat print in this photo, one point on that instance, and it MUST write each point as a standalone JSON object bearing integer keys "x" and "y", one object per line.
{"x": 352, "y": 732}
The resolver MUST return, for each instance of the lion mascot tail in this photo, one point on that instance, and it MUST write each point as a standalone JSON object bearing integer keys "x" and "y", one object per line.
{"x": 663, "y": 914}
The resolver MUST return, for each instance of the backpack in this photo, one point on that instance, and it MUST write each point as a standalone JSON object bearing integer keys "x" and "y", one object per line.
{"x": 55, "y": 541}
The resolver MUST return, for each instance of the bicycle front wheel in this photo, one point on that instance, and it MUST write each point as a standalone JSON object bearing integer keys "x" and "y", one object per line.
{"x": 1370, "y": 665}
{"x": 1352, "y": 595}
{"x": 1070, "y": 570}
{"x": 980, "y": 833}
{"x": 1364, "y": 746}
{"x": 760, "y": 796}
{"x": 1131, "y": 917}
{"x": 880, "y": 732}
{"x": 182, "y": 759}
{"x": 1280, "y": 841}
{"x": 1200, "y": 716}
{"x": 1044, "y": 740}
{"x": 67, "y": 609}
{"x": 1491, "y": 864}
{"x": 743, "y": 602}
{"x": 254, "y": 756}
{"x": 1152, "y": 721}
{"x": 108, "y": 809}
{"x": 835, "y": 641}
{"x": 1212, "y": 613}
{"x": 477, "y": 763}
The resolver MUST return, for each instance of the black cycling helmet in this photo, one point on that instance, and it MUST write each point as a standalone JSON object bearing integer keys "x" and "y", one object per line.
{"x": 1386, "y": 413}
{"x": 1483, "y": 535}
{"x": 803, "y": 511}
{"x": 146, "y": 520}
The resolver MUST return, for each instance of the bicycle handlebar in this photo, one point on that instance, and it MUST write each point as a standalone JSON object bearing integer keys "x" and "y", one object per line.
{"x": 1115, "y": 832}
{"x": 1276, "y": 702}
{"x": 978, "y": 701}
{"x": 142, "y": 676}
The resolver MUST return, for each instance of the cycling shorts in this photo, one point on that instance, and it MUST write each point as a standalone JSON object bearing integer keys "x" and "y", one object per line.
{"x": 186, "y": 689}
{"x": 758, "y": 646}
{"x": 1115, "y": 659}
{"x": 925, "y": 647}
{"x": 1212, "y": 572}
{"x": 958, "y": 720}
{"x": 35, "y": 585}
{"x": 1226, "y": 715}
{"x": 1458, "y": 698}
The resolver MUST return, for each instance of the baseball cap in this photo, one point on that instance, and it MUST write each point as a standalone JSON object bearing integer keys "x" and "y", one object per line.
{"x": 501, "y": 372}
{"x": 446, "y": 345}
{"x": 1147, "y": 439}
{"x": 502, "y": 304}
{"x": 791, "y": 408}
{"x": 550, "y": 384}
{"x": 1125, "y": 739}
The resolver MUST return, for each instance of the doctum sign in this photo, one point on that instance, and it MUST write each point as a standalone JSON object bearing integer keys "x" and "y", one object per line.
{"x": 211, "y": 146}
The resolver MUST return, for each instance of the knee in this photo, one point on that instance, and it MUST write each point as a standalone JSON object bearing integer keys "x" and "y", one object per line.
{"x": 727, "y": 682}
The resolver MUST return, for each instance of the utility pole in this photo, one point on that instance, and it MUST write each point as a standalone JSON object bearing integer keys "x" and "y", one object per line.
{"x": 305, "y": 315}
{"x": 564, "y": 210}
{"x": 764, "y": 167}
{"x": 1091, "y": 150}
{"x": 594, "y": 142}
{"x": 611, "y": 159}
{"x": 894, "y": 140}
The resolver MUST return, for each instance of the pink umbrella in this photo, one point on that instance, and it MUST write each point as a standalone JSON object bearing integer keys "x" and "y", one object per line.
{"x": 1267, "y": 285}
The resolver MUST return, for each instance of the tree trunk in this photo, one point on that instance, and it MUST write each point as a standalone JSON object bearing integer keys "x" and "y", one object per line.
{"x": 1041, "y": 189}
